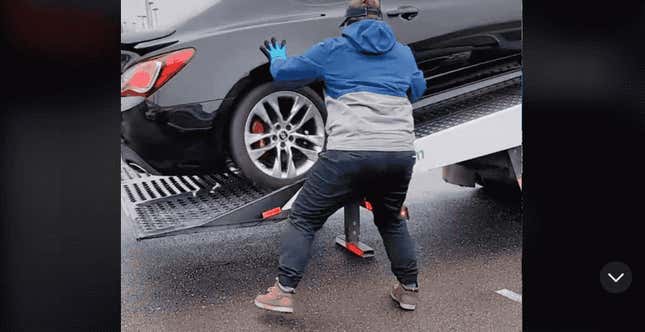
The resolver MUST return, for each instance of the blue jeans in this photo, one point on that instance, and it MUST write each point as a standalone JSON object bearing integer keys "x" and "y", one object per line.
{"x": 339, "y": 177}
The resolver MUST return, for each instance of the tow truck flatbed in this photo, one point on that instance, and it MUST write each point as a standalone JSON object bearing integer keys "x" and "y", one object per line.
{"x": 450, "y": 127}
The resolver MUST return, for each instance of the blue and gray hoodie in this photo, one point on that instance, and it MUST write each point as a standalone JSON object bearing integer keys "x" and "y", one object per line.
{"x": 370, "y": 82}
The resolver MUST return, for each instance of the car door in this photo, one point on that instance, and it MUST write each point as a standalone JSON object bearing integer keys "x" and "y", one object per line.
{"x": 417, "y": 20}
{"x": 328, "y": 14}
{"x": 447, "y": 36}
{"x": 408, "y": 18}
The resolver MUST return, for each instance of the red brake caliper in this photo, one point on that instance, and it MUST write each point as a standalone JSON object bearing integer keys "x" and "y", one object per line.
{"x": 258, "y": 128}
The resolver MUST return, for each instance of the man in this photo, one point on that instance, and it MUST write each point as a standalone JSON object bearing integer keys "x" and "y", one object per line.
{"x": 370, "y": 82}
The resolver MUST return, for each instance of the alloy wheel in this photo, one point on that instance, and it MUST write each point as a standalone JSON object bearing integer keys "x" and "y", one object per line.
{"x": 284, "y": 132}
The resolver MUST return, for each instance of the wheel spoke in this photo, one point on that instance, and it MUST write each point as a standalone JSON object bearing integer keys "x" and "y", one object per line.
{"x": 273, "y": 101}
{"x": 261, "y": 112}
{"x": 317, "y": 140}
{"x": 309, "y": 114}
{"x": 254, "y": 138}
{"x": 255, "y": 154}
{"x": 291, "y": 166}
{"x": 298, "y": 103}
{"x": 277, "y": 164}
{"x": 310, "y": 154}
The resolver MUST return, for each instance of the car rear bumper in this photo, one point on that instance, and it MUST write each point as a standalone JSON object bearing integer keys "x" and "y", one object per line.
{"x": 176, "y": 140}
{"x": 135, "y": 161}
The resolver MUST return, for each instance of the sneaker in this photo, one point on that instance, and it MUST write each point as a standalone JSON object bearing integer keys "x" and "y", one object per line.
{"x": 407, "y": 298}
{"x": 275, "y": 300}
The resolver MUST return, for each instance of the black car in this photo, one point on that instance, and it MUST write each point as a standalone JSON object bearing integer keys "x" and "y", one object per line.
{"x": 199, "y": 98}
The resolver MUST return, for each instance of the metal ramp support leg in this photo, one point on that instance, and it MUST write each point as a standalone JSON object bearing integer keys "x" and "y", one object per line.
{"x": 350, "y": 240}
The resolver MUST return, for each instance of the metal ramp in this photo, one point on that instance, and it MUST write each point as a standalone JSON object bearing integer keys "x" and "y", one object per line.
{"x": 169, "y": 205}
{"x": 464, "y": 123}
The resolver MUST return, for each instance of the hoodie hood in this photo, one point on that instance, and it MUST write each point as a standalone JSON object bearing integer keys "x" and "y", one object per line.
{"x": 371, "y": 36}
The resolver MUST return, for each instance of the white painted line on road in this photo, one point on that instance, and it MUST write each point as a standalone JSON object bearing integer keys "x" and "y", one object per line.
{"x": 510, "y": 294}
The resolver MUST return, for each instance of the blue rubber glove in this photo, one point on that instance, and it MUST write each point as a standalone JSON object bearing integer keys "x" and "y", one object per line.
{"x": 274, "y": 51}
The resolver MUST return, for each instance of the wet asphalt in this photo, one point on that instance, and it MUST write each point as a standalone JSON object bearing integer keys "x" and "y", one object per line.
{"x": 468, "y": 245}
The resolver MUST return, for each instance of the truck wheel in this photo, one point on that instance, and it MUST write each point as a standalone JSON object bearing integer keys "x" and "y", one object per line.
{"x": 276, "y": 134}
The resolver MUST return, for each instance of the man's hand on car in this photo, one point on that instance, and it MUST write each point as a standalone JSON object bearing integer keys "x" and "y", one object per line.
{"x": 274, "y": 51}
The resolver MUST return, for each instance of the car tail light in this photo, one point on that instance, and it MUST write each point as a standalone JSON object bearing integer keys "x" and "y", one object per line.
{"x": 146, "y": 77}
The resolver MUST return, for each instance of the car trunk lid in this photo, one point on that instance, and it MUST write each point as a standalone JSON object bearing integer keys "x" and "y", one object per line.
{"x": 133, "y": 38}
{"x": 136, "y": 44}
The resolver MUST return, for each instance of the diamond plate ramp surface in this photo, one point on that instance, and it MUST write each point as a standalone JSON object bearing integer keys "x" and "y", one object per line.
{"x": 434, "y": 118}
{"x": 161, "y": 205}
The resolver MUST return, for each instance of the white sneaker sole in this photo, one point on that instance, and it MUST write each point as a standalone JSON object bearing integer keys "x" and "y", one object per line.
{"x": 403, "y": 306}
{"x": 273, "y": 308}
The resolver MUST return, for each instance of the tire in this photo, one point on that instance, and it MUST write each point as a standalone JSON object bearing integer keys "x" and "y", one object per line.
{"x": 263, "y": 143}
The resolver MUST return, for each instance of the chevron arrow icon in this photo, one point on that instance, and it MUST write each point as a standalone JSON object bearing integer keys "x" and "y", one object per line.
{"x": 615, "y": 279}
